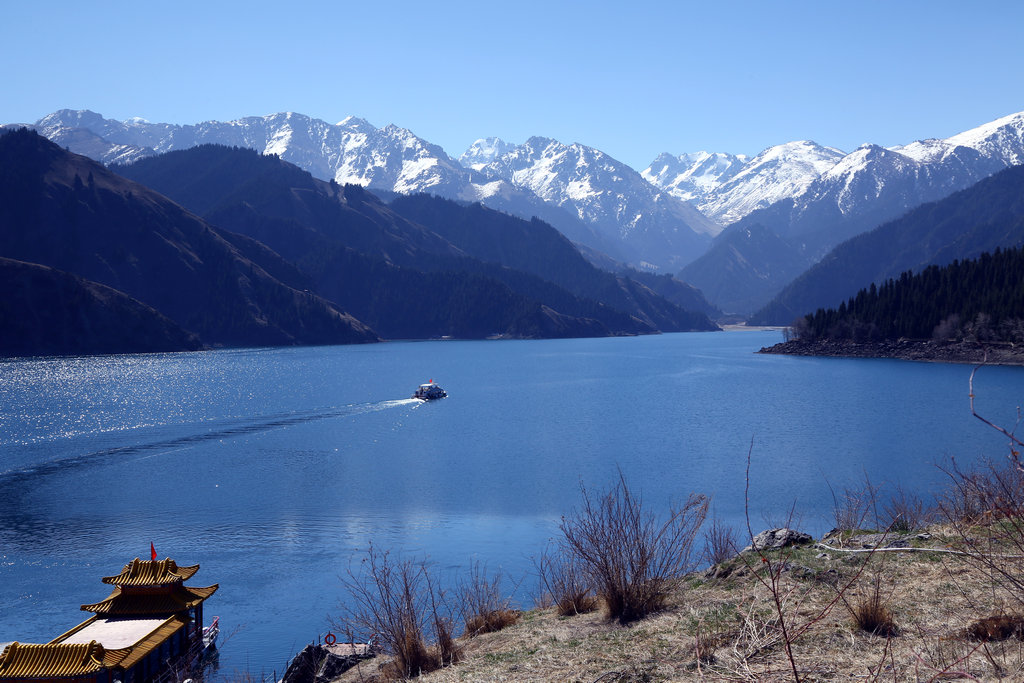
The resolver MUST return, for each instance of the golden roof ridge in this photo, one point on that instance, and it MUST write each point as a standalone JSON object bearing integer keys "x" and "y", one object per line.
{"x": 151, "y": 573}
{"x": 179, "y": 599}
{"x": 31, "y": 660}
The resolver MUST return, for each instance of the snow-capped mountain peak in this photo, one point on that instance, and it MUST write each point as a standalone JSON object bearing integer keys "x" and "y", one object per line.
{"x": 607, "y": 194}
{"x": 779, "y": 172}
{"x": 1002, "y": 139}
{"x": 693, "y": 176}
{"x": 484, "y": 151}
{"x": 355, "y": 123}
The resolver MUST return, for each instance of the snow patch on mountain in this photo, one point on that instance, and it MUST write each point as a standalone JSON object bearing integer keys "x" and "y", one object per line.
{"x": 691, "y": 177}
{"x": 598, "y": 188}
{"x": 607, "y": 194}
{"x": 727, "y": 187}
{"x": 779, "y": 172}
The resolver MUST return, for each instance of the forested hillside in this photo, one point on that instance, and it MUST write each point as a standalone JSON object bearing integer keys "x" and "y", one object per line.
{"x": 975, "y": 300}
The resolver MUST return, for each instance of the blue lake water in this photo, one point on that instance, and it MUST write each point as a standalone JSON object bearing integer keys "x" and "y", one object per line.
{"x": 275, "y": 468}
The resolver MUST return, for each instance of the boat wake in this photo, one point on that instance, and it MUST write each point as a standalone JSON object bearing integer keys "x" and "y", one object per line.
{"x": 225, "y": 430}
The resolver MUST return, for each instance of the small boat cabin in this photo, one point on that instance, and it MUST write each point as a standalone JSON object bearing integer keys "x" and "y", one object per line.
{"x": 430, "y": 391}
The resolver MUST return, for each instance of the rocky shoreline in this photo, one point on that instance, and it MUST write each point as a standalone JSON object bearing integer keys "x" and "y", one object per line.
{"x": 926, "y": 350}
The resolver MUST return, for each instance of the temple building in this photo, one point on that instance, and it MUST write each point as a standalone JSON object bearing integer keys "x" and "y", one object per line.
{"x": 150, "y": 628}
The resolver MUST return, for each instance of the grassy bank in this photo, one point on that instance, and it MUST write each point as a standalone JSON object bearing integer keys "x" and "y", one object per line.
{"x": 725, "y": 624}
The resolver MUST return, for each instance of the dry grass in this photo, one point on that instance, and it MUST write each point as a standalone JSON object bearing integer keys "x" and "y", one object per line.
{"x": 485, "y": 608}
{"x": 562, "y": 583}
{"x": 491, "y": 622}
{"x": 873, "y": 616}
{"x": 726, "y": 629}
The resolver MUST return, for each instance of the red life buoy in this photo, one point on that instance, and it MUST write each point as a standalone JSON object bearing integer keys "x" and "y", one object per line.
{"x": 330, "y": 639}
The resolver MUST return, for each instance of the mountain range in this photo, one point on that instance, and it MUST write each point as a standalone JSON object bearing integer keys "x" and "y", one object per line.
{"x": 395, "y": 160}
{"x": 986, "y": 216}
{"x": 738, "y": 228}
{"x": 863, "y": 190}
{"x": 245, "y": 249}
{"x": 306, "y": 220}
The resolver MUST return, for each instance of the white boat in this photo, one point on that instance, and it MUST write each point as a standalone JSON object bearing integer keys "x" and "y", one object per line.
{"x": 430, "y": 391}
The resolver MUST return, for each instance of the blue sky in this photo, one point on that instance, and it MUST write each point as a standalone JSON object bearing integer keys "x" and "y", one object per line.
{"x": 632, "y": 79}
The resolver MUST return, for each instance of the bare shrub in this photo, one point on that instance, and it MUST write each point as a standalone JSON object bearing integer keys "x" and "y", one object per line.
{"x": 789, "y": 621}
{"x": 563, "y": 583}
{"x": 854, "y": 508}
{"x": 630, "y": 556}
{"x": 484, "y": 608}
{"x": 798, "y": 329}
{"x": 985, "y": 507}
{"x": 971, "y": 495}
{"x": 397, "y": 600}
{"x": 447, "y": 650}
{"x": 905, "y": 511}
{"x": 720, "y": 542}
{"x": 948, "y": 328}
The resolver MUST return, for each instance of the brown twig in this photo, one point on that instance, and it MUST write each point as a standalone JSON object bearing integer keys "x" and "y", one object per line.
{"x": 1002, "y": 430}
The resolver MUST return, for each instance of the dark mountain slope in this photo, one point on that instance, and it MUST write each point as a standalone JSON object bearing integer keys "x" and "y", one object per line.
{"x": 538, "y": 248}
{"x": 682, "y": 294}
{"x": 405, "y": 303}
{"x": 745, "y": 267}
{"x": 212, "y": 179}
{"x": 318, "y": 225}
{"x": 402, "y": 302}
{"x": 45, "y": 311}
{"x": 987, "y": 215}
{"x": 70, "y": 213}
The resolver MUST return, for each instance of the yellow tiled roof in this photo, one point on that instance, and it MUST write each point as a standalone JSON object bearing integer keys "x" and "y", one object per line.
{"x": 27, "y": 660}
{"x": 178, "y": 599}
{"x": 151, "y": 573}
{"x": 153, "y": 640}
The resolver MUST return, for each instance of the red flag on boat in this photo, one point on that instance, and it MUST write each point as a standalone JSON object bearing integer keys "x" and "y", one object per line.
{"x": 152, "y": 551}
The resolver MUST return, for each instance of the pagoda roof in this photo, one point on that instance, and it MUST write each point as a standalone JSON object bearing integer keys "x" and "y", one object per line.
{"x": 153, "y": 640}
{"x": 151, "y": 573}
{"x": 58, "y": 660}
{"x": 178, "y": 599}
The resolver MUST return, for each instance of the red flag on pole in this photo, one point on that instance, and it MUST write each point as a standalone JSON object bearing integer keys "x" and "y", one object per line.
{"x": 152, "y": 551}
